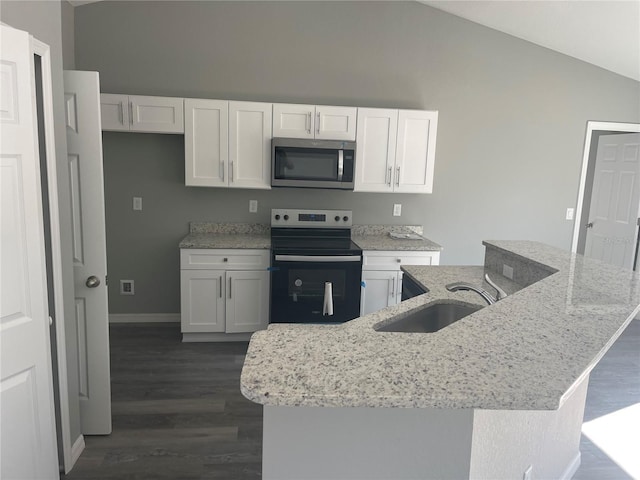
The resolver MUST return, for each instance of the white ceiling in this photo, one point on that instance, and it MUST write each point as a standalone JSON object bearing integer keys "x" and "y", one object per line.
{"x": 605, "y": 33}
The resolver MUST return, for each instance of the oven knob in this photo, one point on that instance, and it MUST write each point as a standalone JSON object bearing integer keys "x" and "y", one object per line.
{"x": 277, "y": 217}
{"x": 298, "y": 282}
{"x": 286, "y": 217}
{"x": 337, "y": 219}
{"x": 345, "y": 218}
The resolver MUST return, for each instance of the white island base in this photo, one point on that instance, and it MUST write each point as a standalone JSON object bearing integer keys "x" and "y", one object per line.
{"x": 422, "y": 443}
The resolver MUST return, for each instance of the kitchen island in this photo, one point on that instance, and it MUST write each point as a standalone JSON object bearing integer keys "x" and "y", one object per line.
{"x": 490, "y": 396}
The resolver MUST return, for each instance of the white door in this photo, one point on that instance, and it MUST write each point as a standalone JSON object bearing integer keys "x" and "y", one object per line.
{"x": 156, "y": 114}
{"x": 376, "y": 149}
{"x": 114, "y": 111}
{"x": 380, "y": 290}
{"x": 250, "y": 144}
{"x": 202, "y": 301}
{"x": 615, "y": 200}
{"x": 206, "y": 142}
{"x": 84, "y": 146}
{"x": 247, "y": 307}
{"x": 27, "y": 414}
{"x": 293, "y": 120}
{"x": 335, "y": 123}
{"x": 415, "y": 151}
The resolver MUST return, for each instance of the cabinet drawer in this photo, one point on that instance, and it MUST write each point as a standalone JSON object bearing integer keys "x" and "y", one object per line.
{"x": 228, "y": 259}
{"x": 387, "y": 260}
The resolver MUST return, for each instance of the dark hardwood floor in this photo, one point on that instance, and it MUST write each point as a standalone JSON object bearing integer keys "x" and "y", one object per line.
{"x": 178, "y": 412}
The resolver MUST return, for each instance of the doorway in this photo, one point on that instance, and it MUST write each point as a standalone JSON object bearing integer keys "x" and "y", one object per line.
{"x": 614, "y": 240}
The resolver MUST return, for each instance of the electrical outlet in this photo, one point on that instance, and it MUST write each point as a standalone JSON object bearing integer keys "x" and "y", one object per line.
{"x": 127, "y": 287}
{"x": 137, "y": 203}
{"x": 253, "y": 206}
{"x": 507, "y": 271}
{"x": 397, "y": 209}
{"x": 528, "y": 473}
{"x": 569, "y": 215}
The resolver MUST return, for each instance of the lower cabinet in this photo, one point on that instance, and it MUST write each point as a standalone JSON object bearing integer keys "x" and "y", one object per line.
{"x": 382, "y": 277}
{"x": 224, "y": 291}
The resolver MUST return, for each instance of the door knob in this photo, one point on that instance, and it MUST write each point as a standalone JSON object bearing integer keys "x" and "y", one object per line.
{"x": 589, "y": 225}
{"x": 92, "y": 281}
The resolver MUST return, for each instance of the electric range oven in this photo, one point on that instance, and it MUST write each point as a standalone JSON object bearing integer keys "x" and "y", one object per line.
{"x": 316, "y": 269}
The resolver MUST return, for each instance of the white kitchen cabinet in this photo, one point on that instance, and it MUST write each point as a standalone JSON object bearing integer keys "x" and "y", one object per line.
{"x": 323, "y": 122}
{"x": 382, "y": 277}
{"x": 224, "y": 291}
{"x": 396, "y": 150}
{"x": 138, "y": 113}
{"x": 250, "y": 128}
{"x": 227, "y": 144}
{"x": 206, "y": 142}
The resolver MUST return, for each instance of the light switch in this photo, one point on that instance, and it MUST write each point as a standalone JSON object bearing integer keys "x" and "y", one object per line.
{"x": 397, "y": 209}
{"x": 137, "y": 203}
{"x": 253, "y": 206}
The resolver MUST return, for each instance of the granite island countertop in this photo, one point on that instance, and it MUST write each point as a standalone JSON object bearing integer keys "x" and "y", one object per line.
{"x": 526, "y": 352}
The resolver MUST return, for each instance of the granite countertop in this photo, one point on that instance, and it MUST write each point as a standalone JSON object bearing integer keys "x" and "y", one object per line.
{"x": 526, "y": 352}
{"x": 227, "y": 235}
{"x": 257, "y": 236}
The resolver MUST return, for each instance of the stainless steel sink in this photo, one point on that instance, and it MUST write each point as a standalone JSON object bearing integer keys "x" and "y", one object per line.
{"x": 431, "y": 318}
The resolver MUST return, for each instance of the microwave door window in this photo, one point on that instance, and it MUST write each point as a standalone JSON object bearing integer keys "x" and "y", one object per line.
{"x": 306, "y": 164}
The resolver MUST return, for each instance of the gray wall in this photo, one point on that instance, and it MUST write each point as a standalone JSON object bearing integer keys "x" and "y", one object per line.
{"x": 43, "y": 21}
{"x": 510, "y": 134}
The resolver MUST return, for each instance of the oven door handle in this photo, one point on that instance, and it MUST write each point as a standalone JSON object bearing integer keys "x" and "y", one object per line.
{"x": 327, "y": 305}
{"x": 318, "y": 258}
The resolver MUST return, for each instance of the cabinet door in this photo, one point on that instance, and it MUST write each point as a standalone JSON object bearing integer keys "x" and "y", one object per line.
{"x": 380, "y": 290}
{"x": 247, "y": 307}
{"x": 376, "y": 149}
{"x": 202, "y": 300}
{"x": 250, "y": 145}
{"x": 114, "y": 112}
{"x": 335, "y": 123}
{"x": 293, "y": 121}
{"x": 157, "y": 114}
{"x": 206, "y": 142}
{"x": 415, "y": 151}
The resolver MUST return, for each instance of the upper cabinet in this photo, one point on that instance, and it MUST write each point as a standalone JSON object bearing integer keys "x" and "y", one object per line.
{"x": 314, "y": 121}
{"x": 137, "y": 113}
{"x": 395, "y": 150}
{"x": 227, "y": 144}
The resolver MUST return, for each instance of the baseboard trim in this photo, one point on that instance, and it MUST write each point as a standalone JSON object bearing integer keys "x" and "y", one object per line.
{"x": 144, "y": 318}
{"x": 76, "y": 450}
{"x": 216, "y": 337}
{"x": 572, "y": 468}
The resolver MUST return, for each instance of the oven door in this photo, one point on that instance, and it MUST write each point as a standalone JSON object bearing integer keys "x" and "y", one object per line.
{"x": 315, "y": 288}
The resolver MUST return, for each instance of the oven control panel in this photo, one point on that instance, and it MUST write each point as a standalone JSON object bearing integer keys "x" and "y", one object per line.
{"x": 297, "y": 218}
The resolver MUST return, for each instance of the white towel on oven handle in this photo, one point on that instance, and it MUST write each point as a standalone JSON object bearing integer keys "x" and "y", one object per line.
{"x": 327, "y": 306}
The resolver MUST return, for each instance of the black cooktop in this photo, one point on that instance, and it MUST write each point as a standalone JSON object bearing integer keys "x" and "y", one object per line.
{"x": 313, "y": 241}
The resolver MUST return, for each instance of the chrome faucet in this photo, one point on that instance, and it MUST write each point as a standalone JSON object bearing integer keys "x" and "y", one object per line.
{"x": 500, "y": 293}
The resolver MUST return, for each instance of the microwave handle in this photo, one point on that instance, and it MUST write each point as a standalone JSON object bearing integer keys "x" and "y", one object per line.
{"x": 340, "y": 164}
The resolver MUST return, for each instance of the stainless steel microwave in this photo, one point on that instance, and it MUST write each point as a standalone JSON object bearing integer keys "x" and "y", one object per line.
{"x": 310, "y": 163}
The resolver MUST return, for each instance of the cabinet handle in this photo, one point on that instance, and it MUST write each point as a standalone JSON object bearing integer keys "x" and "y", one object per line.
{"x": 229, "y": 287}
{"x": 220, "y": 282}
{"x": 393, "y": 287}
{"x": 398, "y": 176}
{"x": 130, "y": 113}
{"x": 318, "y": 121}
{"x": 231, "y": 171}
{"x": 388, "y": 178}
{"x": 309, "y": 123}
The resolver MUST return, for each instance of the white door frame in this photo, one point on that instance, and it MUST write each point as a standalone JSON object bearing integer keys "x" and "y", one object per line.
{"x": 71, "y": 451}
{"x": 593, "y": 127}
